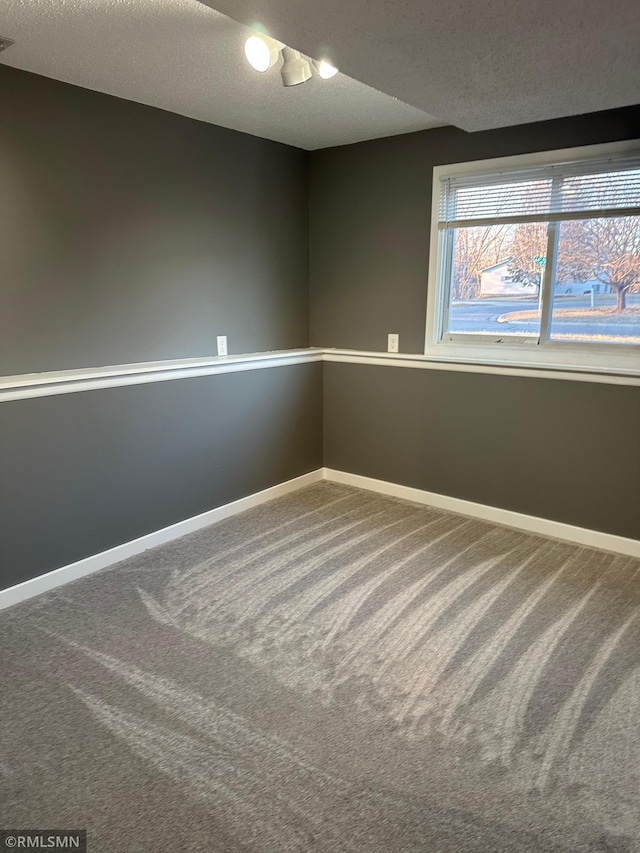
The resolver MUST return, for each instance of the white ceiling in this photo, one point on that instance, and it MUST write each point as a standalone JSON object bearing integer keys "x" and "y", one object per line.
{"x": 183, "y": 56}
{"x": 477, "y": 64}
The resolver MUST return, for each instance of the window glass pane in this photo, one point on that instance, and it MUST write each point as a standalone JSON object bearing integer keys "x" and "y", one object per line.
{"x": 495, "y": 280}
{"x": 597, "y": 284}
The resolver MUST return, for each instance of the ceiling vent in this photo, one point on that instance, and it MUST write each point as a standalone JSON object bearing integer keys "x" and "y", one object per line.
{"x": 5, "y": 43}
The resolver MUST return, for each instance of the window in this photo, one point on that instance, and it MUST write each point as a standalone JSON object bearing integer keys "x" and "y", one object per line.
{"x": 537, "y": 259}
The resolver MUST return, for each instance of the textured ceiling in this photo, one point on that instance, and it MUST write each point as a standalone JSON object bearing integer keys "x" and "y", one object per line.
{"x": 182, "y": 56}
{"x": 477, "y": 64}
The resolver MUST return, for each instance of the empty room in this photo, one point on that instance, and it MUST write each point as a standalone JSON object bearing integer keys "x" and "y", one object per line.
{"x": 320, "y": 426}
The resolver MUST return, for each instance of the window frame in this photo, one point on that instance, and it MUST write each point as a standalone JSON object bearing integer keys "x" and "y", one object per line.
{"x": 505, "y": 349}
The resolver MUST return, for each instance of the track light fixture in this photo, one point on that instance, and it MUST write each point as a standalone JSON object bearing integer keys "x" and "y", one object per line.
{"x": 295, "y": 69}
{"x": 262, "y": 54}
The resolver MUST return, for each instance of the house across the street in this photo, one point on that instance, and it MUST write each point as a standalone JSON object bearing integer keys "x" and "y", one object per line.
{"x": 497, "y": 280}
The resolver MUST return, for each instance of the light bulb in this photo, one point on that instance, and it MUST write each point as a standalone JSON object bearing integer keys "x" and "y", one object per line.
{"x": 261, "y": 52}
{"x": 325, "y": 69}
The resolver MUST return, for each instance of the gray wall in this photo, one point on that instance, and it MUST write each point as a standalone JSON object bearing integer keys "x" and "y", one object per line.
{"x": 568, "y": 451}
{"x": 562, "y": 450}
{"x": 131, "y": 234}
{"x": 84, "y": 472}
{"x": 370, "y": 218}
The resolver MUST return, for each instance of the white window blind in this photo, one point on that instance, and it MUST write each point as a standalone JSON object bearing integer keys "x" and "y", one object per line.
{"x": 543, "y": 194}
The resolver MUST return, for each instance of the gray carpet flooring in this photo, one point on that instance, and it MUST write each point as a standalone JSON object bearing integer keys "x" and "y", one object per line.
{"x": 332, "y": 671}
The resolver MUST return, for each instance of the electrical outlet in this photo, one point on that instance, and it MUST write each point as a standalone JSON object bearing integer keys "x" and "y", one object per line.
{"x": 222, "y": 345}
{"x": 393, "y": 343}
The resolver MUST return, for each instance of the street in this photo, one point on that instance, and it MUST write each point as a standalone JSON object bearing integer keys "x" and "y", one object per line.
{"x": 487, "y": 315}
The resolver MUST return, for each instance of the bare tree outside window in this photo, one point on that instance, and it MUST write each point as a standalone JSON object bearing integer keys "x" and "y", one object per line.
{"x": 476, "y": 249}
{"x": 527, "y": 254}
{"x": 611, "y": 252}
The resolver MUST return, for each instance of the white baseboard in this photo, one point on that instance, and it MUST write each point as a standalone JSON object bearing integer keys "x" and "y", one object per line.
{"x": 530, "y": 523}
{"x": 58, "y": 577}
